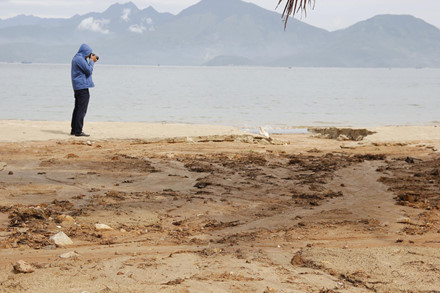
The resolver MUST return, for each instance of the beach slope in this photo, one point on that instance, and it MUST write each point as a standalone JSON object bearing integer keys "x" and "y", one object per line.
{"x": 150, "y": 213}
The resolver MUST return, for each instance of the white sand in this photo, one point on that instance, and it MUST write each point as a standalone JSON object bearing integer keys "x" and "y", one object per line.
{"x": 404, "y": 134}
{"x": 18, "y": 130}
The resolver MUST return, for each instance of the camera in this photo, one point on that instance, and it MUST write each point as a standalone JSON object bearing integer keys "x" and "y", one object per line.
{"x": 97, "y": 57}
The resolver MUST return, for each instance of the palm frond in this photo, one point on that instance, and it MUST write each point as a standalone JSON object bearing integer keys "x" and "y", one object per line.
{"x": 295, "y": 6}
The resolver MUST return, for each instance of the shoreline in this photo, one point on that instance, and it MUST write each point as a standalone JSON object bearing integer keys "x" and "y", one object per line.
{"x": 28, "y": 130}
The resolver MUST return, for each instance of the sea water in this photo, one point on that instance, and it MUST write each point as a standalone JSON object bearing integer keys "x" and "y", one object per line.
{"x": 246, "y": 97}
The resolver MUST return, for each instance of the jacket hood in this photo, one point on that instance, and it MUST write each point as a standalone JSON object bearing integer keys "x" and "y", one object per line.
{"x": 85, "y": 50}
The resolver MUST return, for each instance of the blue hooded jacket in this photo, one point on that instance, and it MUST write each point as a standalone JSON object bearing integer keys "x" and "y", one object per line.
{"x": 81, "y": 69}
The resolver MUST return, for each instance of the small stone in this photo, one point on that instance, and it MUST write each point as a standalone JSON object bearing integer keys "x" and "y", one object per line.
{"x": 23, "y": 267}
{"x": 404, "y": 220}
{"x": 408, "y": 197}
{"x": 342, "y": 137}
{"x": 69, "y": 254}
{"x": 49, "y": 247}
{"x": 103, "y": 227}
{"x": 64, "y": 218}
{"x": 297, "y": 260}
{"x": 10, "y": 173}
{"x": 61, "y": 239}
{"x": 409, "y": 160}
{"x": 89, "y": 142}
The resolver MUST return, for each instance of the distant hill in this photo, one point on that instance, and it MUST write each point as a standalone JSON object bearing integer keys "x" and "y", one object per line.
{"x": 220, "y": 32}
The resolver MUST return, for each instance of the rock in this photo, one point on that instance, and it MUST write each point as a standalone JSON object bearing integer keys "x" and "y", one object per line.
{"x": 407, "y": 197}
{"x": 298, "y": 260}
{"x": 69, "y": 254}
{"x": 61, "y": 239}
{"x": 10, "y": 173}
{"x": 65, "y": 218}
{"x": 49, "y": 247}
{"x": 342, "y": 137}
{"x": 23, "y": 267}
{"x": 404, "y": 220}
{"x": 409, "y": 160}
{"x": 2, "y": 166}
{"x": 103, "y": 227}
{"x": 341, "y": 133}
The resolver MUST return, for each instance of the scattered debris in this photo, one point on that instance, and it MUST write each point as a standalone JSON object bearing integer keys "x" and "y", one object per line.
{"x": 174, "y": 282}
{"x": 244, "y": 138}
{"x": 263, "y": 132}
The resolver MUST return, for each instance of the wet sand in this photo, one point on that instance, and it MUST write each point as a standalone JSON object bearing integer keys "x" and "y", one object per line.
{"x": 299, "y": 213}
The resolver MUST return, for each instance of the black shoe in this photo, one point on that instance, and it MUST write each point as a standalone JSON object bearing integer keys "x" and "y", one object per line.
{"x": 82, "y": 134}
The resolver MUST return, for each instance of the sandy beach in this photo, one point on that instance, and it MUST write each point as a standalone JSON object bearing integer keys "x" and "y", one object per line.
{"x": 200, "y": 208}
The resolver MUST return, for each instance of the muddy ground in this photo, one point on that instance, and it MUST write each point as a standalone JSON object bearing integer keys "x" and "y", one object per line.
{"x": 313, "y": 215}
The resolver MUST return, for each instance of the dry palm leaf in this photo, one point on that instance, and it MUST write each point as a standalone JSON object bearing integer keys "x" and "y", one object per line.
{"x": 295, "y": 6}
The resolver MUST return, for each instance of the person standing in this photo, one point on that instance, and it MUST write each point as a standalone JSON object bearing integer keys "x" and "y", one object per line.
{"x": 81, "y": 71}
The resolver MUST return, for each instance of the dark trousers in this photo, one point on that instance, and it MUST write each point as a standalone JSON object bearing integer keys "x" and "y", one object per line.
{"x": 82, "y": 98}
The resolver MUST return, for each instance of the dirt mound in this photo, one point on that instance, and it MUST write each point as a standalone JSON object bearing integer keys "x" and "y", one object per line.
{"x": 341, "y": 133}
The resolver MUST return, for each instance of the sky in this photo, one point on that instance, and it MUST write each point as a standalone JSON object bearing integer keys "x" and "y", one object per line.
{"x": 327, "y": 14}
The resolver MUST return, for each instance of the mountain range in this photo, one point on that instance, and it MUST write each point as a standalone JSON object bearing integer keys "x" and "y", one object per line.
{"x": 219, "y": 32}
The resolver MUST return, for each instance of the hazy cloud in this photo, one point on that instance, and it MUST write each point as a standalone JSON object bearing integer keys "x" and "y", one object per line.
{"x": 136, "y": 28}
{"x": 126, "y": 15}
{"x": 94, "y": 25}
{"x": 140, "y": 28}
